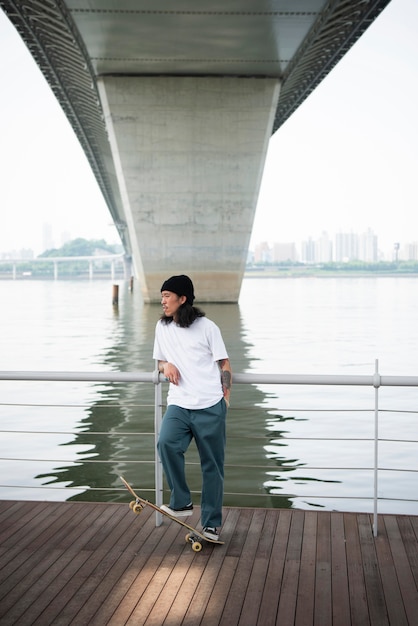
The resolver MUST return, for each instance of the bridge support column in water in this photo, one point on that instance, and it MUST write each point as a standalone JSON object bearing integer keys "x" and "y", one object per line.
{"x": 189, "y": 154}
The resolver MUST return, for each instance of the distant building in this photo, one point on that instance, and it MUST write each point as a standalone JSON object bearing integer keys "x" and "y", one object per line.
{"x": 409, "y": 252}
{"x": 23, "y": 254}
{"x": 283, "y": 252}
{"x": 308, "y": 251}
{"x": 368, "y": 247}
{"x": 262, "y": 253}
{"x": 346, "y": 247}
{"x": 317, "y": 251}
{"x": 323, "y": 249}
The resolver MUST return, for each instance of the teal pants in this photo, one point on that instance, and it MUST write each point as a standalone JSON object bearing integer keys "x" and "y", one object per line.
{"x": 207, "y": 427}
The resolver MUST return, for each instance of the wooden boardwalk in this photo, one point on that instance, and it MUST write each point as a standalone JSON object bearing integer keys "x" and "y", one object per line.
{"x": 89, "y": 563}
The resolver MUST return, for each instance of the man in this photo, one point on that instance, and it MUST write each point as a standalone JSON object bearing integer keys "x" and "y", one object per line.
{"x": 192, "y": 356}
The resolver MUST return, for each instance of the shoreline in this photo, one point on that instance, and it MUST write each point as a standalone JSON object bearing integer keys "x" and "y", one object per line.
{"x": 327, "y": 274}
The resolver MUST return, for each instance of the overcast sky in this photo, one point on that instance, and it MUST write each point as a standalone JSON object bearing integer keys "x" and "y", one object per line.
{"x": 346, "y": 160}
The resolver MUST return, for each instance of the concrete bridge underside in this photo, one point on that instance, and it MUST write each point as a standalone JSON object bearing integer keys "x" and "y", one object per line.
{"x": 174, "y": 107}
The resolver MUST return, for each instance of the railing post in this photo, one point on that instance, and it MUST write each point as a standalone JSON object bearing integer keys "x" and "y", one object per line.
{"x": 157, "y": 426}
{"x": 376, "y": 384}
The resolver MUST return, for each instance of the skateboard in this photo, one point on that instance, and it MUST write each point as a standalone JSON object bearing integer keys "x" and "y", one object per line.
{"x": 194, "y": 536}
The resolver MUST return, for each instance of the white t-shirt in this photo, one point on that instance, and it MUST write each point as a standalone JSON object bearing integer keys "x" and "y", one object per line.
{"x": 194, "y": 351}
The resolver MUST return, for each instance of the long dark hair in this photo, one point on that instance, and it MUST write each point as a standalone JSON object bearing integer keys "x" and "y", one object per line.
{"x": 186, "y": 315}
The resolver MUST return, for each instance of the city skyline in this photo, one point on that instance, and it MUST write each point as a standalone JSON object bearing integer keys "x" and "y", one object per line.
{"x": 405, "y": 250}
{"x": 338, "y": 246}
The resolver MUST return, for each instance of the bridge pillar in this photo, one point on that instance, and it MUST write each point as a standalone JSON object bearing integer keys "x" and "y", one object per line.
{"x": 189, "y": 154}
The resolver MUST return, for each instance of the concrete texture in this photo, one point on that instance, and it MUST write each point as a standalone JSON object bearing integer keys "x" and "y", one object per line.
{"x": 189, "y": 155}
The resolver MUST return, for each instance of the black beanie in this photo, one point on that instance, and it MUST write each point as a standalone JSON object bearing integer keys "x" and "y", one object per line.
{"x": 181, "y": 285}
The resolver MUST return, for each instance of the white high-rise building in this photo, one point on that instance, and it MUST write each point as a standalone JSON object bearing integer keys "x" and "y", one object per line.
{"x": 346, "y": 247}
{"x": 409, "y": 252}
{"x": 323, "y": 249}
{"x": 318, "y": 250}
{"x": 368, "y": 247}
{"x": 308, "y": 251}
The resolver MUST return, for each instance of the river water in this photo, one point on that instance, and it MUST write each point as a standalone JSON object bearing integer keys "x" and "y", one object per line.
{"x": 288, "y": 445}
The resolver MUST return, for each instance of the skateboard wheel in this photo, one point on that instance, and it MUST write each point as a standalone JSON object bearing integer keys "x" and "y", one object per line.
{"x": 132, "y": 504}
{"x": 196, "y": 545}
{"x": 137, "y": 508}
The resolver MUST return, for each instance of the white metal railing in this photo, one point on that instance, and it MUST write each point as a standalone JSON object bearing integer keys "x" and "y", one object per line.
{"x": 56, "y": 261}
{"x": 375, "y": 380}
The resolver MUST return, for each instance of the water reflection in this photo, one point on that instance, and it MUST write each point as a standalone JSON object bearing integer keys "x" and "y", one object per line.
{"x": 287, "y": 477}
{"x": 117, "y": 428}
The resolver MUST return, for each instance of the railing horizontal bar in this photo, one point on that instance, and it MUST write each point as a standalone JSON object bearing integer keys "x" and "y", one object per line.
{"x": 125, "y": 377}
{"x": 80, "y": 432}
{"x": 327, "y": 379}
{"x": 227, "y": 493}
{"x": 80, "y": 406}
{"x": 84, "y": 488}
{"x": 66, "y": 259}
{"x": 270, "y": 440}
{"x": 279, "y": 379}
{"x": 78, "y": 461}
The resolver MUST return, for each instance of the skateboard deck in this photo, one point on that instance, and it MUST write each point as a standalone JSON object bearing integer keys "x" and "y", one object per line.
{"x": 194, "y": 536}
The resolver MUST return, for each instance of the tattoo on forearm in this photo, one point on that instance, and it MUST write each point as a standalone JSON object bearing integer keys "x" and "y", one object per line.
{"x": 226, "y": 379}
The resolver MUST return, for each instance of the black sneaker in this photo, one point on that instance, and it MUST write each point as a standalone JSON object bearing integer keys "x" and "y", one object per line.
{"x": 184, "y": 512}
{"x": 211, "y": 533}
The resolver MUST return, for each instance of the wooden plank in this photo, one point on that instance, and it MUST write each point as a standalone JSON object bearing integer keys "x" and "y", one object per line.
{"x": 237, "y": 541}
{"x": 414, "y": 524}
{"x": 306, "y": 588}
{"x": 221, "y": 592}
{"x": 164, "y": 539}
{"x": 340, "y": 596}
{"x": 92, "y": 571}
{"x": 40, "y": 569}
{"x": 323, "y": 589}
{"x": 204, "y": 590}
{"x": 403, "y": 570}
{"x": 410, "y": 541}
{"x": 187, "y": 590}
{"x": 375, "y": 596}
{"x": 33, "y": 555}
{"x": 25, "y": 538}
{"x": 273, "y": 583}
{"x": 136, "y": 556}
{"x": 255, "y": 587}
{"x": 390, "y": 585}
{"x": 15, "y": 529}
{"x": 105, "y": 577}
{"x": 356, "y": 585}
{"x": 289, "y": 589}
{"x": 154, "y": 592}
{"x": 218, "y": 569}
{"x": 233, "y": 608}
{"x": 175, "y": 575}
{"x": 7, "y": 512}
{"x": 164, "y": 584}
